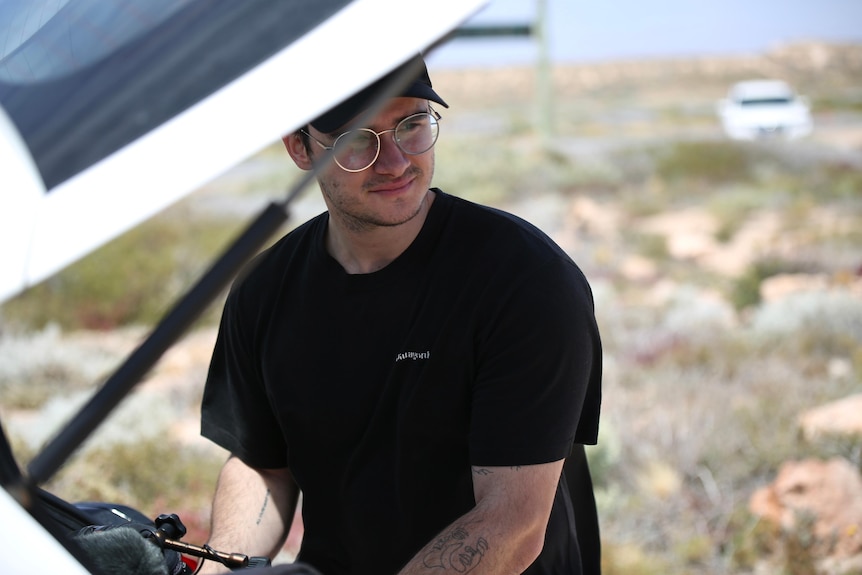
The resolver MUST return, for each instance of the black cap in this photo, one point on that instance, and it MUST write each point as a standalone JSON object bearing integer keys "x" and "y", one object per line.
{"x": 356, "y": 104}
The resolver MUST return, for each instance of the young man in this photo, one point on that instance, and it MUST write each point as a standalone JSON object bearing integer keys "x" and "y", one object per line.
{"x": 417, "y": 366}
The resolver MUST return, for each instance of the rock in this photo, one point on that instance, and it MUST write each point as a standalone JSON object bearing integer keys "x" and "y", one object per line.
{"x": 838, "y": 418}
{"x": 782, "y": 285}
{"x": 828, "y": 491}
{"x": 636, "y": 268}
{"x": 587, "y": 216}
{"x": 690, "y": 233}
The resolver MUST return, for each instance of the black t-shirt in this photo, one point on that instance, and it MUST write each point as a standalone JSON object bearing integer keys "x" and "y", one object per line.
{"x": 477, "y": 346}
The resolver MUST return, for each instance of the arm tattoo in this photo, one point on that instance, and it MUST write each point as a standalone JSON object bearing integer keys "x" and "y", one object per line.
{"x": 263, "y": 507}
{"x": 485, "y": 471}
{"x": 459, "y": 550}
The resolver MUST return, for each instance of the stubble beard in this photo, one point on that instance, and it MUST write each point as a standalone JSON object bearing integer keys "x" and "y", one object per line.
{"x": 356, "y": 219}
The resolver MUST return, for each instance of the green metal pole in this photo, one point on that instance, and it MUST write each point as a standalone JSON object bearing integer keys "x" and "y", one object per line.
{"x": 544, "y": 80}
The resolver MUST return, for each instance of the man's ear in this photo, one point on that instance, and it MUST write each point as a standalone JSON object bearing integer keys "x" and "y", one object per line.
{"x": 298, "y": 152}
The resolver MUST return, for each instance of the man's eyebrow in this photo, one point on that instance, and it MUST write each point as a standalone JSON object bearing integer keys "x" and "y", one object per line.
{"x": 424, "y": 110}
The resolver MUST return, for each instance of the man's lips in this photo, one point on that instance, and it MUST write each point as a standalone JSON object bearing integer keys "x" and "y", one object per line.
{"x": 392, "y": 186}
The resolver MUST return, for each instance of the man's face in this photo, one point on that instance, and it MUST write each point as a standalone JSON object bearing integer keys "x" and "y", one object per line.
{"x": 388, "y": 193}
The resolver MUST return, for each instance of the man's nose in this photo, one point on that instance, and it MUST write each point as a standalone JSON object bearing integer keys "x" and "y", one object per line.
{"x": 391, "y": 160}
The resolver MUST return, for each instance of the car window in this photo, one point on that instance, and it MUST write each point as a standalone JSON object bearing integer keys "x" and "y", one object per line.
{"x": 765, "y": 101}
{"x": 46, "y": 39}
{"x": 80, "y": 79}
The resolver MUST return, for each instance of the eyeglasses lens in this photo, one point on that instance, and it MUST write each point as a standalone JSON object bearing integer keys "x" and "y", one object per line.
{"x": 416, "y": 134}
{"x": 357, "y": 150}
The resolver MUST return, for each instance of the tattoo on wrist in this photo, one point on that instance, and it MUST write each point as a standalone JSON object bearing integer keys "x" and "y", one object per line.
{"x": 459, "y": 550}
{"x": 263, "y": 508}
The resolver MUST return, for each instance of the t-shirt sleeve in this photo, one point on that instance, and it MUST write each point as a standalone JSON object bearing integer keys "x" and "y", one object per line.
{"x": 539, "y": 371}
{"x": 235, "y": 411}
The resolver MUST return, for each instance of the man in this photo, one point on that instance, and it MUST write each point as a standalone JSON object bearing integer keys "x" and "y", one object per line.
{"x": 417, "y": 366}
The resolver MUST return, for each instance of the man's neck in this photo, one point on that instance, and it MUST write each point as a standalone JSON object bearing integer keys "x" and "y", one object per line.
{"x": 367, "y": 249}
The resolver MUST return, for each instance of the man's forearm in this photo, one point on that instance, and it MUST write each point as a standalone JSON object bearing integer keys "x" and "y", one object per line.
{"x": 460, "y": 548}
{"x": 252, "y": 509}
{"x": 474, "y": 544}
{"x": 504, "y": 533}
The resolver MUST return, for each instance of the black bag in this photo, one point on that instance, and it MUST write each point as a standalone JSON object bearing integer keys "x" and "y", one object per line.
{"x": 114, "y": 538}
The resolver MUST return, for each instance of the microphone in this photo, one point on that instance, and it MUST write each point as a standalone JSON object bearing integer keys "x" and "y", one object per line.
{"x": 121, "y": 551}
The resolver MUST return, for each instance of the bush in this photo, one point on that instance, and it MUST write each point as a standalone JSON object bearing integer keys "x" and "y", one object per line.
{"x": 630, "y": 560}
{"x": 706, "y": 162}
{"x": 36, "y": 366}
{"x": 745, "y": 291}
{"x": 759, "y": 541}
{"x": 154, "y": 476}
{"x": 131, "y": 280}
{"x": 829, "y": 323}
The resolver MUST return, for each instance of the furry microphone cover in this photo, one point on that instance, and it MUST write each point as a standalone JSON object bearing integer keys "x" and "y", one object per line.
{"x": 122, "y": 551}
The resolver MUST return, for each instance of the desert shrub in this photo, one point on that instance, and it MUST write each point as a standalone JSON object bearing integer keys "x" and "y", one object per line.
{"x": 827, "y": 323}
{"x": 691, "y": 329}
{"x": 154, "y": 476}
{"x": 838, "y": 180}
{"x": 636, "y": 164}
{"x": 758, "y": 542}
{"x": 631, "y": 560}
{"x": 604, "y": 457}
{"x": 799, "y": 546}
{"x": 706, "y": 162}
{"x": 819, "y": 179}
{"x": 593, "y": 178}
{"x": 130, "y": 280}
{"x": 695, "y": 550}
{"x": 749, "y": 539}
{"x": 484, "y": 170}
{"x": 745, "y": 290}
{"x": 731, "y": 207}
{"x": 35, "y": 365}
{"x": 652, "y": 246}
{"x": 837, "y": 103}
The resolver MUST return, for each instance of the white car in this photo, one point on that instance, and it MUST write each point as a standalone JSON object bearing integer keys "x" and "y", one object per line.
{"x": 757, "y": 109}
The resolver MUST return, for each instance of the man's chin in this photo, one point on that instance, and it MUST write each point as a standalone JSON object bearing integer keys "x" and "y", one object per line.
{"x": 403, "y": 212}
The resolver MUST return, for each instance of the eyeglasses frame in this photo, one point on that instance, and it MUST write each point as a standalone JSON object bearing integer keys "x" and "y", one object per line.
{"x": 431, "y": 112}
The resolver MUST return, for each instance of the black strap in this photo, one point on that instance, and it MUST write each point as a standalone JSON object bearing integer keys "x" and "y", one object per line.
{"x": 10, "y": 473}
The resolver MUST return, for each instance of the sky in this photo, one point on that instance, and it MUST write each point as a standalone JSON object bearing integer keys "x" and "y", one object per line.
{"x": 604, "y": 30}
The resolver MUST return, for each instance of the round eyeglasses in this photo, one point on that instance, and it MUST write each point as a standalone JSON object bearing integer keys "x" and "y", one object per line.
{"x": 356, "y": 150}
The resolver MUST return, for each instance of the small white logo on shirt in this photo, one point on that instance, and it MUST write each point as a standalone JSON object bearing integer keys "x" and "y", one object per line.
{"x": 414, "y": 355}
